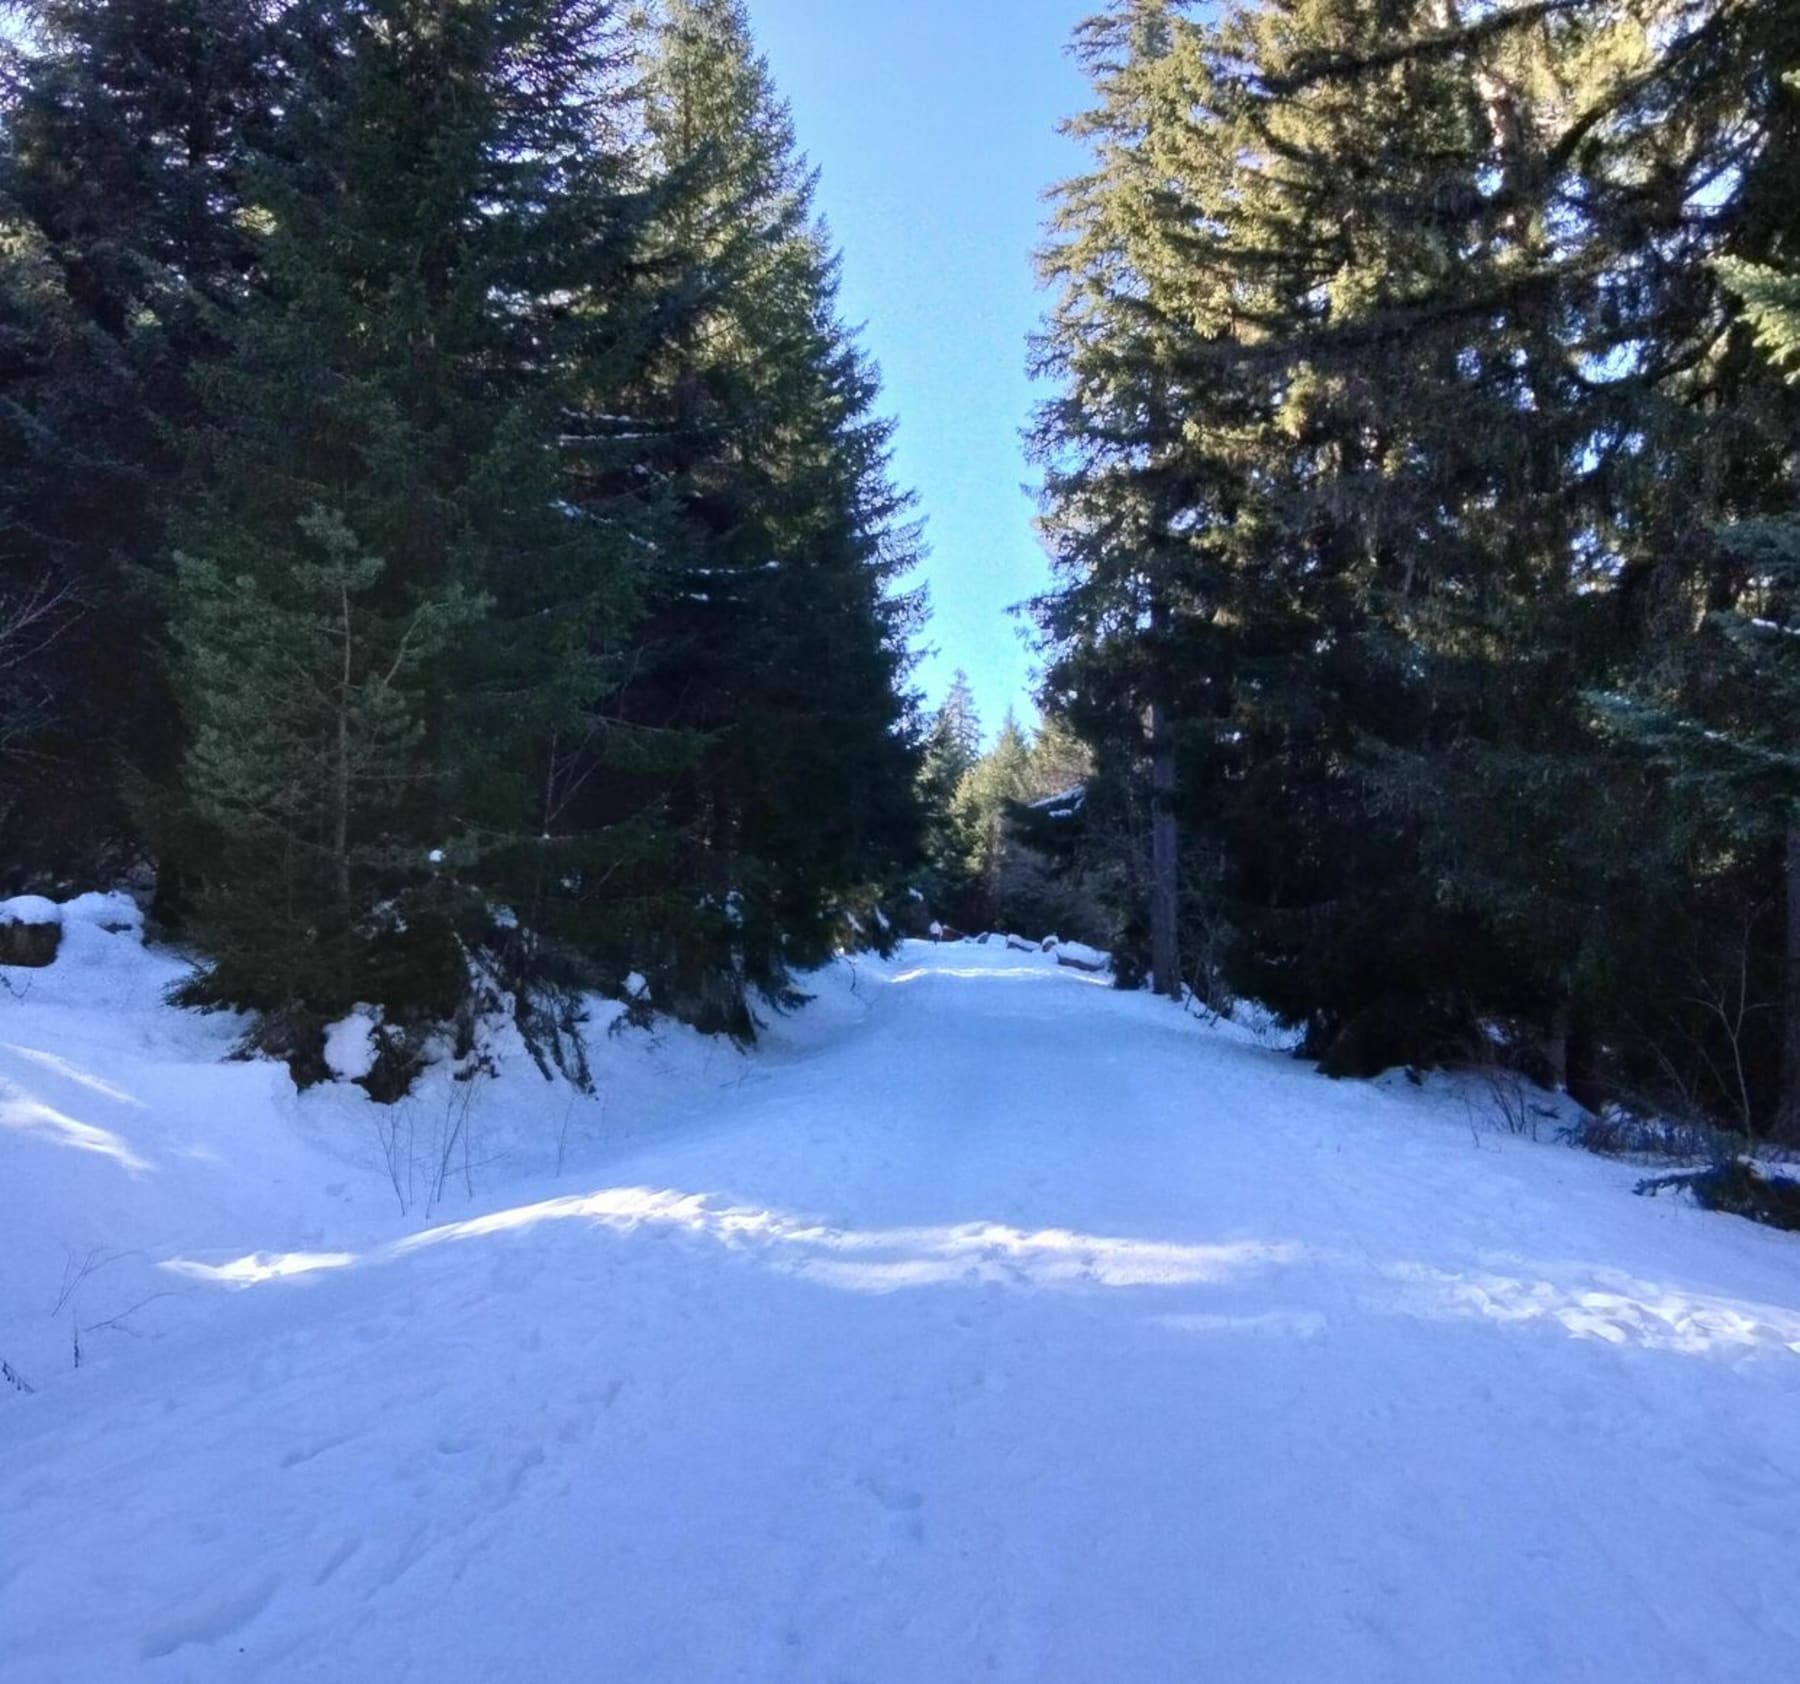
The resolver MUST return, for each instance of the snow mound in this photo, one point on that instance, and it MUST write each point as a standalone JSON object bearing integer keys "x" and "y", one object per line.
{"x": 1079, "y": 954}
{"x": 115, "y": 913}
{"x": 30, "y": 909}
{"x": 350, "y": 1045}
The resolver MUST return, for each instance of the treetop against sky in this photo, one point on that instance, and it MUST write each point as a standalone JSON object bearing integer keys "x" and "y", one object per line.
{"x": 934, "y": 126}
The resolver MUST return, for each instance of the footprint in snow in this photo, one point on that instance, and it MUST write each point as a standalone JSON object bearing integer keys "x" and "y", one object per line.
{"x": 896, "y": 1499}
{"x": 902, "y": 1510}
{"x": 213, "y": 1623}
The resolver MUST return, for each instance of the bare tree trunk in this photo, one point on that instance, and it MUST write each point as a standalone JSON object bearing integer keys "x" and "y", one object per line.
{"x": 1556, "y": 1043}
{"x": 1165, "y": 856}
{"x": 340, "y": 829}
{"x": 1787, "y": 1117}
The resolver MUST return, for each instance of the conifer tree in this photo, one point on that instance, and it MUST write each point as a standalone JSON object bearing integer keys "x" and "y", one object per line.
{"x": 998, "y": 779}
{"x": 1120, "y": 490}
{"x": 780, "y": 624}
{"x": 397, "y": 587}
{"x": 1722, "y": 716}
{"x": 121, "y": 257}
{"x": 1393, "y": 383}
{"x": 953, "y": 739}
{"x": 951, "y": 748}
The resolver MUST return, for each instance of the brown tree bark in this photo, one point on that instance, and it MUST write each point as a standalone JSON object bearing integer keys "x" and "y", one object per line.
{"x": 1556, "y": 1043}
{"x": 1165, "y": 860}
{"x": 1787, "y": 1116}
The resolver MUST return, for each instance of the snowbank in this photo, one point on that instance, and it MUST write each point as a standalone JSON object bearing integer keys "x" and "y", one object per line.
{"x": 30, "y": 909}
{"x": 1079, "y": 956}
{"x": 131, "y": 1133}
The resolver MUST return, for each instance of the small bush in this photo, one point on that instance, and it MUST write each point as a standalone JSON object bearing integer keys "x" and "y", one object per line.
{"x": 1617, "y": 1133}
{"x": 1737, "y": 1189}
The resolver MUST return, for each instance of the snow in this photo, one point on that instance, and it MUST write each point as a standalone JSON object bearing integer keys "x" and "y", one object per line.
{"x": 30, "y": 909}
{"x": 115, "y": 913}
{"x": 1253, "y": 1023}
{"x": 1066, "y": 804}
{"x": 1080, "y": 953}
{"x": 350, "y": 1046}
{"x": 985, "y": 1323}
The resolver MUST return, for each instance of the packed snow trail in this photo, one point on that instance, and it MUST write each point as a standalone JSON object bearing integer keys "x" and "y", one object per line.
{"x": 1019, "y": 1331}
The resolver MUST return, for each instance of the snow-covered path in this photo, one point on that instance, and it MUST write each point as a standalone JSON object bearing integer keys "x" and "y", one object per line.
{"x": 1018, "y": 1331}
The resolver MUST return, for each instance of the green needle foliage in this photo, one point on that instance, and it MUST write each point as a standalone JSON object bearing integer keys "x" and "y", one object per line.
{"x": 1408, "y": 400}
{"x": 485, "y": 577}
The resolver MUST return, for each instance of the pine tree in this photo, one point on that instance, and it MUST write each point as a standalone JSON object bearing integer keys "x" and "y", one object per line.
{"x": 779, "y": 625}
{"x": 1391, "y": 385}
{"x": 393, "y": 560}
{"x": 953, "y": 739}
{"x": 121, "y": 256}
{"x": 1000, "y": 778}
{"x": 1121, "y": 489}
{"x": 951, "y": 748}
{"x": 1721, "y": 719}
{"x": 307, "y": 709}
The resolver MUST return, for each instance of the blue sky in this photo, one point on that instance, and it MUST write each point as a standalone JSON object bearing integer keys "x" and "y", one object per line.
{"x": 933, "y": 123}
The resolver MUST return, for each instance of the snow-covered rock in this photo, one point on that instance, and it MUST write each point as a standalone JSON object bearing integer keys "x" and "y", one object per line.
{"x": 30, "y": 932}
{"x": 1078, "y": 956}
{"x": 30, "y": 909}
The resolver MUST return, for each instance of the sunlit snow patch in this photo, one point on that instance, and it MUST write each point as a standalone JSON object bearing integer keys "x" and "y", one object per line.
{"x": 260, "y": 1266}
{"x": 30, "y": 1115}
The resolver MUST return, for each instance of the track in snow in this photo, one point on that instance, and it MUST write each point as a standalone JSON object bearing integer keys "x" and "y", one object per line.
{"x": 1022, "y": 1331}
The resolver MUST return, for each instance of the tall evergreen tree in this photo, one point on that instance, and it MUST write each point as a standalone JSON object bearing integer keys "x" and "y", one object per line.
{"x": 953, "y": 739}
{"x": 121, "y": 258}
{"x": 394, "y": 563}
{"x": 1393, "y": 382}
{"x": 1119, "y": 489}
{"x": 951, "y": 748}
{"x": 1719, "y": 709}
{"x": 780, "y": 625}
{"x": 998, "y": 779}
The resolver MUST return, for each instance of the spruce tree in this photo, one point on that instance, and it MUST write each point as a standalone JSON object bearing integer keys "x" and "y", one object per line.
{"x": 1719, "y": 713}
{"x": 951, "y": 748}
{"x": 400, "y": 582}
{"x": 952, "y": 741}
{"x": 998, "y": 779}
{"x": 122, "y": 256}
{"x": 1393, "y": 387}
{"x": 779, "y": 625}
{"x": 1121, "y": 491}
